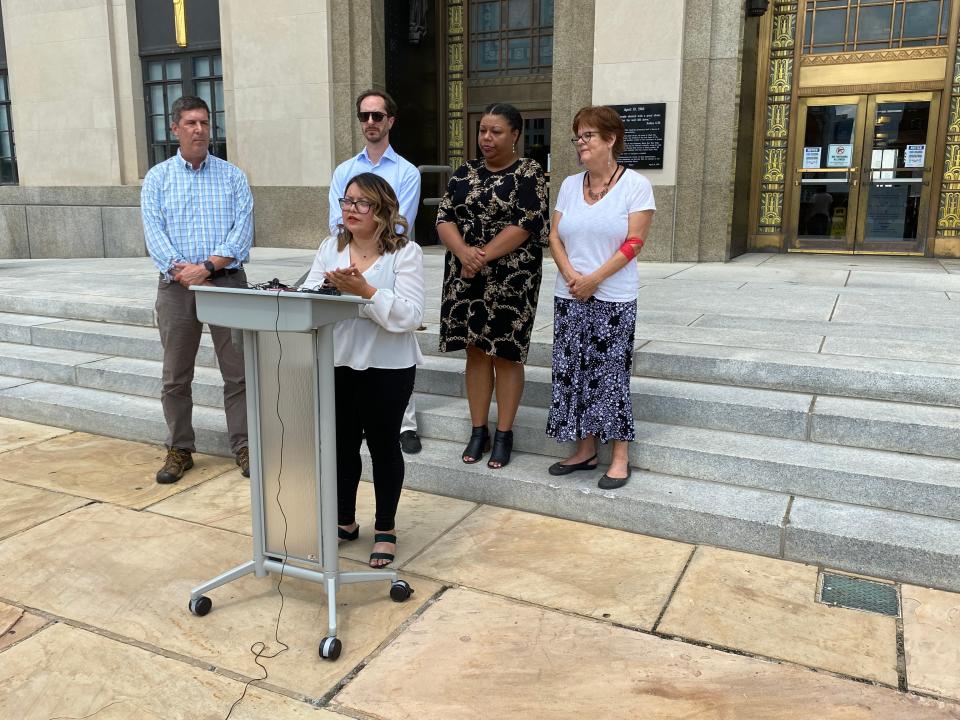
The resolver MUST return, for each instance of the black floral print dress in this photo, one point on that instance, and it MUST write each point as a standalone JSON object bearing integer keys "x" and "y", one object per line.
{"x": 494, "y": 310}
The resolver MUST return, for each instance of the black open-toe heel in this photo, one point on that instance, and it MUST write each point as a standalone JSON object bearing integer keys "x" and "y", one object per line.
{"x": 348, "y": 535}
{"x": 478, "y": 445}
{"x": 502, "y": 447}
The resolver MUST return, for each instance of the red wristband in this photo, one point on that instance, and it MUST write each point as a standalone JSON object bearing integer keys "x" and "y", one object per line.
{"x": 631, "y": 246}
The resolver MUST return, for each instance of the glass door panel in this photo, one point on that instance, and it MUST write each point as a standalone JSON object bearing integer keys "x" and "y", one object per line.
{"x": 827, "y": 174}
{"x": 896, "y": 173}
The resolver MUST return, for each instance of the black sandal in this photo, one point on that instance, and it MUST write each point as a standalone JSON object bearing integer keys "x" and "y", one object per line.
{"x": 502, "y": 447}
{"x": 478, "y": 445}
{"x": 378, "y": 538}
{"x": 348, "y": 535}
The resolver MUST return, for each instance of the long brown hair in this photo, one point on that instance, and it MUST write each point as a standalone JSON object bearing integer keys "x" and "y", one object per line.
{"x": 386, "y": 212}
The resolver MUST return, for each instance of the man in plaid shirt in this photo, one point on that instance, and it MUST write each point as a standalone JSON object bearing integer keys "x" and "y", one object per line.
{"x": 198, "y": 225}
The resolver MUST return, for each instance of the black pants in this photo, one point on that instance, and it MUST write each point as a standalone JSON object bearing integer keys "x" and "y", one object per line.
{"x": 371, "y": 402}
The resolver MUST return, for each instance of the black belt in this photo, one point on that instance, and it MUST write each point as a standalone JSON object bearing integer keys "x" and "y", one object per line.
{"x": 217, "y": 274}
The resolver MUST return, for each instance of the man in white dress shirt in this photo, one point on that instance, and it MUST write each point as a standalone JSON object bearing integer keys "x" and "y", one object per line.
{"x": 377, "y": 112}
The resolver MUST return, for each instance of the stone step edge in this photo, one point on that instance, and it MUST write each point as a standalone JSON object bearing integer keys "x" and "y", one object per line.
{"x": 576, "y": 500}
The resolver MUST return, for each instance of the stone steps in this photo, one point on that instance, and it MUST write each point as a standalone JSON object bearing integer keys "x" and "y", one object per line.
{"x": 846, "y": 376}
{"x": 879, "y": 425}
{"x": 748, "y": 437}
{"x": 875, "y": 478}
{"x": 883, "y": 543}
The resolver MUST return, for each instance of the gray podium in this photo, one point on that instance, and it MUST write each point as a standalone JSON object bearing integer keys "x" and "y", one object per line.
{"x": 288, "y": 354}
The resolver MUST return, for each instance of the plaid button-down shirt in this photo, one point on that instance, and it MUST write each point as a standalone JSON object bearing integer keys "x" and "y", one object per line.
{"x": 189, "y": 215}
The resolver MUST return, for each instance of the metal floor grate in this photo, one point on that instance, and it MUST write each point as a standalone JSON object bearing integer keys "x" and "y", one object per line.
{"x": 859, "y": 594}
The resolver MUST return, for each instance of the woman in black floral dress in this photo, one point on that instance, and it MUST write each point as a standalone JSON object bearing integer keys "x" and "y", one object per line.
{"x": 493, "y": 222}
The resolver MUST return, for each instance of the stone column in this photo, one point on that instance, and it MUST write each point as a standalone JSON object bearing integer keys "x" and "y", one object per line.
{"x": 709, "y": 117}
{"x": 644, "y": 66}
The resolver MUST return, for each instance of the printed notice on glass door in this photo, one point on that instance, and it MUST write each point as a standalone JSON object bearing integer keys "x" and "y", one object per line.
{"x": 914, "y": 156}
{"x": 811, "y": 157}
{"x": 839, "y": 155}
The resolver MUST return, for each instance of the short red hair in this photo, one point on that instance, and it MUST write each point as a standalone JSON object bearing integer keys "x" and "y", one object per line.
{"x": 605, "y": 120}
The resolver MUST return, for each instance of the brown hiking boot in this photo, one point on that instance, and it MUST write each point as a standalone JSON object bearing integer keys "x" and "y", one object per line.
{"x": 243, "y": 461}
{"x": 177, "y": 463}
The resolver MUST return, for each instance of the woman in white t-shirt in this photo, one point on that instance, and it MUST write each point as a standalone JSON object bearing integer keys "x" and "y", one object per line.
{"x": 599, "y": 225}
{"x": 375, "y": 354}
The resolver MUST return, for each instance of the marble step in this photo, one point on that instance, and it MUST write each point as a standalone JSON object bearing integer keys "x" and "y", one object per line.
{"x": 926, "y": 383}
{"x": 879, "y": 425}
{"x": 902, "y": 546}
{"x": 43, "y": 363}
{"x": 882, "y": 543}
{"x": 106, "y": 413}
{"x": 105, "y": 338}
{"x": 78, "y": 306}
{"x": 875, "y": 478}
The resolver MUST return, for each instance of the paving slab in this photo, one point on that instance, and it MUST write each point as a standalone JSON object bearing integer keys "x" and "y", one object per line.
{"x": 224, "y": 502}
{"x": 51, "y": 675}
{"x": 134, "y": 575}
{"x": 571, "y": 566}
{"x": 104, "y": 469}
{"x": 18, "y": 433}
{"x": 17, "y": 625}
{"x": 833, "y": 328}
{"x": 7, "y": 381}
{"x": 931, "y": 637}
{"x": 548, "y": 664}
{"x": 875, "y": 308}
{"x": 766, "y": 606}
{"x": 907, "y": 280}
{"x": 22, "y": 507}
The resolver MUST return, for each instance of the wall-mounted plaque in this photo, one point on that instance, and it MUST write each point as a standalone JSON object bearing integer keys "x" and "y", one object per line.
{"x": 644, "y": 127}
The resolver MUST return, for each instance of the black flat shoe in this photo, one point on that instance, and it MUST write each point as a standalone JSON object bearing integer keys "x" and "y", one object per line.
{"x": 348, "y": 535}
{"x": 558, "y": 468}
{"x": 478, "y": 445}
{"x": 612, "y": 483}
{"x": 502, "y": 447}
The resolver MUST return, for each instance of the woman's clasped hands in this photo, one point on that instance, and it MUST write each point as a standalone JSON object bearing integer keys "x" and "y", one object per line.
{"x": 582, "y": 287}
{"x": 472, "y": 259}
{"x": 350, "y": 281}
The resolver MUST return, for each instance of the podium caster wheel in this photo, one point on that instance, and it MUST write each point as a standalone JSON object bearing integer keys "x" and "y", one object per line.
{"x": 400, "y": 591}
{"x": 200, "y": 606}
{"x": 330, "y": 648}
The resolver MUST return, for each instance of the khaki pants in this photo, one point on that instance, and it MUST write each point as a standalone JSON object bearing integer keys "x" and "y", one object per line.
{"x": 180, "y": 333}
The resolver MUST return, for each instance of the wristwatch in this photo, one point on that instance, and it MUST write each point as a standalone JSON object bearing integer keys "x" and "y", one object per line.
{"x": 211, "y": 268}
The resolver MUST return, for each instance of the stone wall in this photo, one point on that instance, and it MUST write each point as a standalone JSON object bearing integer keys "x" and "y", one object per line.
{"x": 77, "y": 222}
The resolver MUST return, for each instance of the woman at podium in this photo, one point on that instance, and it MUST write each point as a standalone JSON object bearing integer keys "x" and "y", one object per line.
{"x": 375, "y": 354}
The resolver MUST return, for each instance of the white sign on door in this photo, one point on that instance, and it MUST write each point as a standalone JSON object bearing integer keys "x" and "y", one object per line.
{"x": 839, "y": 155}
{"x": 914, "y": 156}
{"x": 811, "y": 157}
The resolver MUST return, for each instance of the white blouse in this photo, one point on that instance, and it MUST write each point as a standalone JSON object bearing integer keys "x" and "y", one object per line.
{"x": 382, "y": 337}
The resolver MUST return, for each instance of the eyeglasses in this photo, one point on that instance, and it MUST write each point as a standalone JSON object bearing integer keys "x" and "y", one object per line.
{"x": 361, "y": 206}
{"x": 365, "y": 116}
{"x": 584, "y": 137}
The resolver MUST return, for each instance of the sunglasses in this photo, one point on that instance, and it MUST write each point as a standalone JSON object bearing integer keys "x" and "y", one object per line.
{"x": 366, "y": 116}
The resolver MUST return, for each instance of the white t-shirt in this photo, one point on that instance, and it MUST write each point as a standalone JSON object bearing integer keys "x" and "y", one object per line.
{"x": 382, "y": 337}
{"x": 591, "y": 234}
